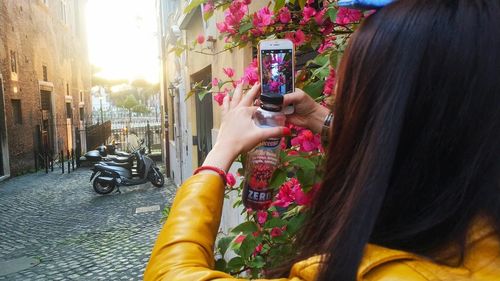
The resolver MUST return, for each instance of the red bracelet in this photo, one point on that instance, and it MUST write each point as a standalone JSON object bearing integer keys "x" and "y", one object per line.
{"x": 219, "y": 171}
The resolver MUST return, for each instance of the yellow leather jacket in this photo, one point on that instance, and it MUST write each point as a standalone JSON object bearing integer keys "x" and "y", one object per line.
{"x": 184, "y": 249}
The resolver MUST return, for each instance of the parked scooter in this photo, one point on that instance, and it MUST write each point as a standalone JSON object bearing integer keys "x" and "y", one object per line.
{"x": 108, "y": 177}
{"x": 105, "y": 153}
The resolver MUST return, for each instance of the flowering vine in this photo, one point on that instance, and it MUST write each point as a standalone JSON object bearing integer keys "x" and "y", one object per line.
{"x": 319, "y": 31}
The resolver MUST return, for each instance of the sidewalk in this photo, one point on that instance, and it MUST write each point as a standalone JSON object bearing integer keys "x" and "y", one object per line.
{"x": 68, "y": 232}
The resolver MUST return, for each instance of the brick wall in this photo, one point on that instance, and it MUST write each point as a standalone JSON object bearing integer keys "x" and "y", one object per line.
{"x": 40, "y": 36}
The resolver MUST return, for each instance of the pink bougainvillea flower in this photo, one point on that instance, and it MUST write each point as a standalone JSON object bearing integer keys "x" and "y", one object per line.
{"x": 275, "y": 214}
{"x": 251, "y": 75}
{"x": 215, "y": 82}
{"x": 228, "y": 71}
{"x": 239, "y": 239}
{"x": 298, "y": 37}
{"x": 222, "y": 27}
{"x": 320, "y": 17}
{"x": 249, "y": 211}
{"x": 262, "y": 18}
{"x": 208, "y": 7}
{"x": 230, "y": 180}
{"x": 276, "y": 231}
{"x": 219, "y": 97}
{"x": 232, "y": 17}
{"x": 327, "y": 27}
{"x": 257, "y": 250}
{"x": 247, "y": 2}
{"x": 307, "y": 141}
{"x": 293, "y": 152}
{"x": 261, "y": 217}
{"x": 285, "y": 195}
{"x": 325, "y": 45}
{"x": 200, "y": 39}
{"x": 329, "y": 83}
{"x": 284, "y": 15}
{"x": 291, "y": 192}
{"x": 347, "y": 16}
{"x": 308, "y": 13}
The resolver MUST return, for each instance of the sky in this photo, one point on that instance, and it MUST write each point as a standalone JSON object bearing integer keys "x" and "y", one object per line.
{"x": 122, "y": 39}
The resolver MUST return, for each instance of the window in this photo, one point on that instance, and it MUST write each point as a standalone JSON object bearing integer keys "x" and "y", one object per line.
{"x": 67, "y": 89}
{"x": 82, "y": 113}
{"x": 63, "y": 12}
{"x": 45, "y": 73}
{"x": 81, "y": 96}
{"x": 13, "y": 62}
{"x": 17, "y": 115}
{"x": 69, "y": 110}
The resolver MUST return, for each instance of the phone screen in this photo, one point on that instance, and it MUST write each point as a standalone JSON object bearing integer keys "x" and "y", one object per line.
{"x": 276, "y": 67}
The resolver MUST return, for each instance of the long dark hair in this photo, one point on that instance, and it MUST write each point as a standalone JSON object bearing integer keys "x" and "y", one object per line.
{"x": 415, "y": 146}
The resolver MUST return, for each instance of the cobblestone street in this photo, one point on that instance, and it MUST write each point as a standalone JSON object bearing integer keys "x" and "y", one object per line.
{"x": 59, "y": 222}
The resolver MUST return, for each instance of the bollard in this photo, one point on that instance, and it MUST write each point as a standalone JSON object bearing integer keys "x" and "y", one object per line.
{"x": 69, "y": 162}
{"x": 46, "y": 160}
{"x": 61, "y": 158}
{"x": 36, "y": 161}
{"x": 73, "y": 159}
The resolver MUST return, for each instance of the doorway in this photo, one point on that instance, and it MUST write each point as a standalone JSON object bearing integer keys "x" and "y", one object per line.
{"x": 46, "y": 138}
{"x": 204, "y": 116}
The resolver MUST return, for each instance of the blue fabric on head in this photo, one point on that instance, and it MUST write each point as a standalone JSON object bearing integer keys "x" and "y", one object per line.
{"x": 364, "y": 4}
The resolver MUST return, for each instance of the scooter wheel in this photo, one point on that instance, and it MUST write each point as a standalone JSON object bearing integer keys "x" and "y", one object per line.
{"x": 103, "y": 187}
{"x": 156, "y": 177}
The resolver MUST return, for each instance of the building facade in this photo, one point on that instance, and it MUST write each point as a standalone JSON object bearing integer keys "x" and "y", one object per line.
{"x": 46, "y": 81}
{"x": 192, "y": 125}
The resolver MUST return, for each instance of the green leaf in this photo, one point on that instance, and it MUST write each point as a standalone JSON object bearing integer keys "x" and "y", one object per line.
{"x": 303, "y": 163}
{"x": 192, "y": 5}
{"x": 321, "y": 60}
{"x": 302, "y": 3}
{"x": 223, "y": 244}
{"x": 278, "y": 4}
{"x": 332, "y": 13}
{"x": 315, "y": 89}
{"x": 322, "y": 72}
{"x": 248, "y": 247}
{"x": 247, "y": 227}
{"x": 235, "y": 264}
{"x": 279, "y": 177}
{"x": 245, "y": 27}
{"x": 220, "y": 265}
{"x": 306, "y": 177}
{"x": 295, "y": 223}
{"x": 202, "y": 94}
{"x": 207, "y": 16}
{"x": 274, "y": 222}
{"x": 258, "y": 262}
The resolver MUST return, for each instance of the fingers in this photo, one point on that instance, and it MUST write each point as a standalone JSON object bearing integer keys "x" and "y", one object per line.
{"x": 294, "y": 97}
{"x": 225, "y": 104}
{"x": 275, "y": 132}
{"x": 251, "y": 95}
{"x": 238, "y": 92}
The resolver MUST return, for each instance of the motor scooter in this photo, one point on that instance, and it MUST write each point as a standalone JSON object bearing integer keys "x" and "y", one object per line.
{"x": 108, "y": 177}
{"x": 105, "y": 153}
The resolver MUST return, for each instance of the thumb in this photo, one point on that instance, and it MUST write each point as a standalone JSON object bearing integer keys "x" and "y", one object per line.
{"x": 275, "y": 132}
{"x": 294, "y": 97}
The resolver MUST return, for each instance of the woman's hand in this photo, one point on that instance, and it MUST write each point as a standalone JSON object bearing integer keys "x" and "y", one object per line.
{"x": 307, "y": 113}
{"x": 238, "y": 132}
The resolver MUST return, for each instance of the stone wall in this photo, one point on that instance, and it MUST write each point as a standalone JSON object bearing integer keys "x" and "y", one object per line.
{"x": 41, "y": 35}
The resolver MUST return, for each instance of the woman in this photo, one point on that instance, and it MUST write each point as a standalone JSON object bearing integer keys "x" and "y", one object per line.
{"x": 412, "y": 187}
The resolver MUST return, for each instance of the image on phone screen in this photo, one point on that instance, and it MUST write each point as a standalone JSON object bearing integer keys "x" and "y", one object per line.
{"x": 277, "y": 71}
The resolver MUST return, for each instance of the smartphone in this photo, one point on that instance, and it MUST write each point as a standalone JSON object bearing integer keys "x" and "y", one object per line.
{"x": 277, "y": 68}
